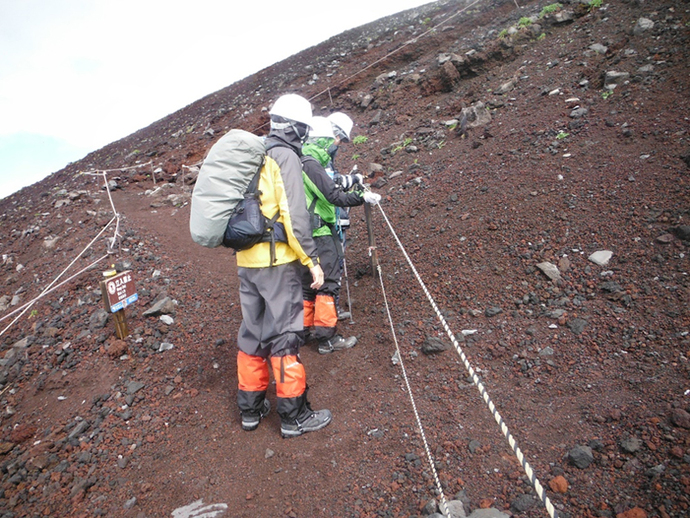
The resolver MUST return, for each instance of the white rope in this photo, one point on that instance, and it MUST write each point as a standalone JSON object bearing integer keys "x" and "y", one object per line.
{"x": 47, "y": 288}
{"x": 45, "y": 292}
{"x": 116, "y": 234}
{"x": 104, "y": 174}
{"x": 111, "y": 250}
{"x": 98, "y": 172}
{"x": 393, "y": 52}
{"x": 444, "y": 504}
{"x": 485, "y": 395}
{"x": 409, "y": 42}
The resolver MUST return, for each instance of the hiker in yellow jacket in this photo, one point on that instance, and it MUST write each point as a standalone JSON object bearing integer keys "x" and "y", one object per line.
{"x": 271, "y": 293}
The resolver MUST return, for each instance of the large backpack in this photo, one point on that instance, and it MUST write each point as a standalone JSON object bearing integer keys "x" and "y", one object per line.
{"x": 229, "y": 167}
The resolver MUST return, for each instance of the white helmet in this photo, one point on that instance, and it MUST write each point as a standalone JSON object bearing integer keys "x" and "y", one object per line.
{"x": 321, "y": 128}
{"x": 292, "y": 107}
{"x": 342, "y": 125}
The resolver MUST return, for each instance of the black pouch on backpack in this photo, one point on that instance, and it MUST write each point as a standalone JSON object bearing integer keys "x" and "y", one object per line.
{"x": 247, "y": 225}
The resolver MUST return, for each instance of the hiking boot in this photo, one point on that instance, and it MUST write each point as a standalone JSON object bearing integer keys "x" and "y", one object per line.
{"x": 312, "y": 422}
{"x": 343, "y": 315}
{"x": 308, "y": 337}
{"x": 250, "y": 422}
{"x": 337, "y": 343}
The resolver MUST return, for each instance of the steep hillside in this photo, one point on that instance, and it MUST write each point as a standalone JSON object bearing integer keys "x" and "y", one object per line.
{"x": 510, "y": 142}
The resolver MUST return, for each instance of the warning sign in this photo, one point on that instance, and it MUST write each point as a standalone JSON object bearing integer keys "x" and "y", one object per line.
{"x": 119, "y": 291}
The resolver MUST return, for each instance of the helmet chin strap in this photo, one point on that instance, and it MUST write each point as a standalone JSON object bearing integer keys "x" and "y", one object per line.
{"x": 302, "y": 138}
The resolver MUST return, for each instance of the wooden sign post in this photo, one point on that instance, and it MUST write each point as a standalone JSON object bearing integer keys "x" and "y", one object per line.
{"x": 118, "y": 292}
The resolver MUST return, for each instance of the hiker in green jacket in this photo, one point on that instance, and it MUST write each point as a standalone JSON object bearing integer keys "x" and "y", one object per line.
{"x": 323, "y": 195}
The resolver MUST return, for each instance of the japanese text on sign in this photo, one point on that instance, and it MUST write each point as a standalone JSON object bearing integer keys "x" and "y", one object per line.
{"x": 120, "y": 291}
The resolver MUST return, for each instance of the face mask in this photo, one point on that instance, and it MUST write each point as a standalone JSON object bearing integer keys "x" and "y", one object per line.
{"x": 301, "y": 130}
{"x": 332, "y": 150}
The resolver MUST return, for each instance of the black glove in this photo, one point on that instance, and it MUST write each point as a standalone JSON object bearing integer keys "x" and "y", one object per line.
{"x": 348, "y": 180}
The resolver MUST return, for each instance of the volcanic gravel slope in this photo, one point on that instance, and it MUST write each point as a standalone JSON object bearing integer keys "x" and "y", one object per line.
{"x": 589, "y": 370}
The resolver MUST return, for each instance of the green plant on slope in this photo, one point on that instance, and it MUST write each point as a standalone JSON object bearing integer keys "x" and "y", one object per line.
{"x": 359, "y": 139}
{"x": 551, "y": 8}
{"x": 404, "y": 144}
{"x": 524, "y": 22}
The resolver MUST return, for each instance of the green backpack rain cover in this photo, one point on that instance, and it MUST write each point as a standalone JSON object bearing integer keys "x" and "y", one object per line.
{"x": 223, "y": 179}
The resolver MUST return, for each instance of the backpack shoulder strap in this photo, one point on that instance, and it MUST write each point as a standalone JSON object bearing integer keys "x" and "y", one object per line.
{"x": 254, "y": 184}
{"x": 312, "y": 205}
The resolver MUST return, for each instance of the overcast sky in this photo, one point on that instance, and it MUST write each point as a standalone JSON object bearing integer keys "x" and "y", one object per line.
{"x": 76, "y": 75}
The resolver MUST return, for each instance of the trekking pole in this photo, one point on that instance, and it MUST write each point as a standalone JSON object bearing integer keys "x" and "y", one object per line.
{"x": 347, "y": 289}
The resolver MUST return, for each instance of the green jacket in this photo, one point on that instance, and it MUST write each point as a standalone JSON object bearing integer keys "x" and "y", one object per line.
{"x": 321, "y": 191}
